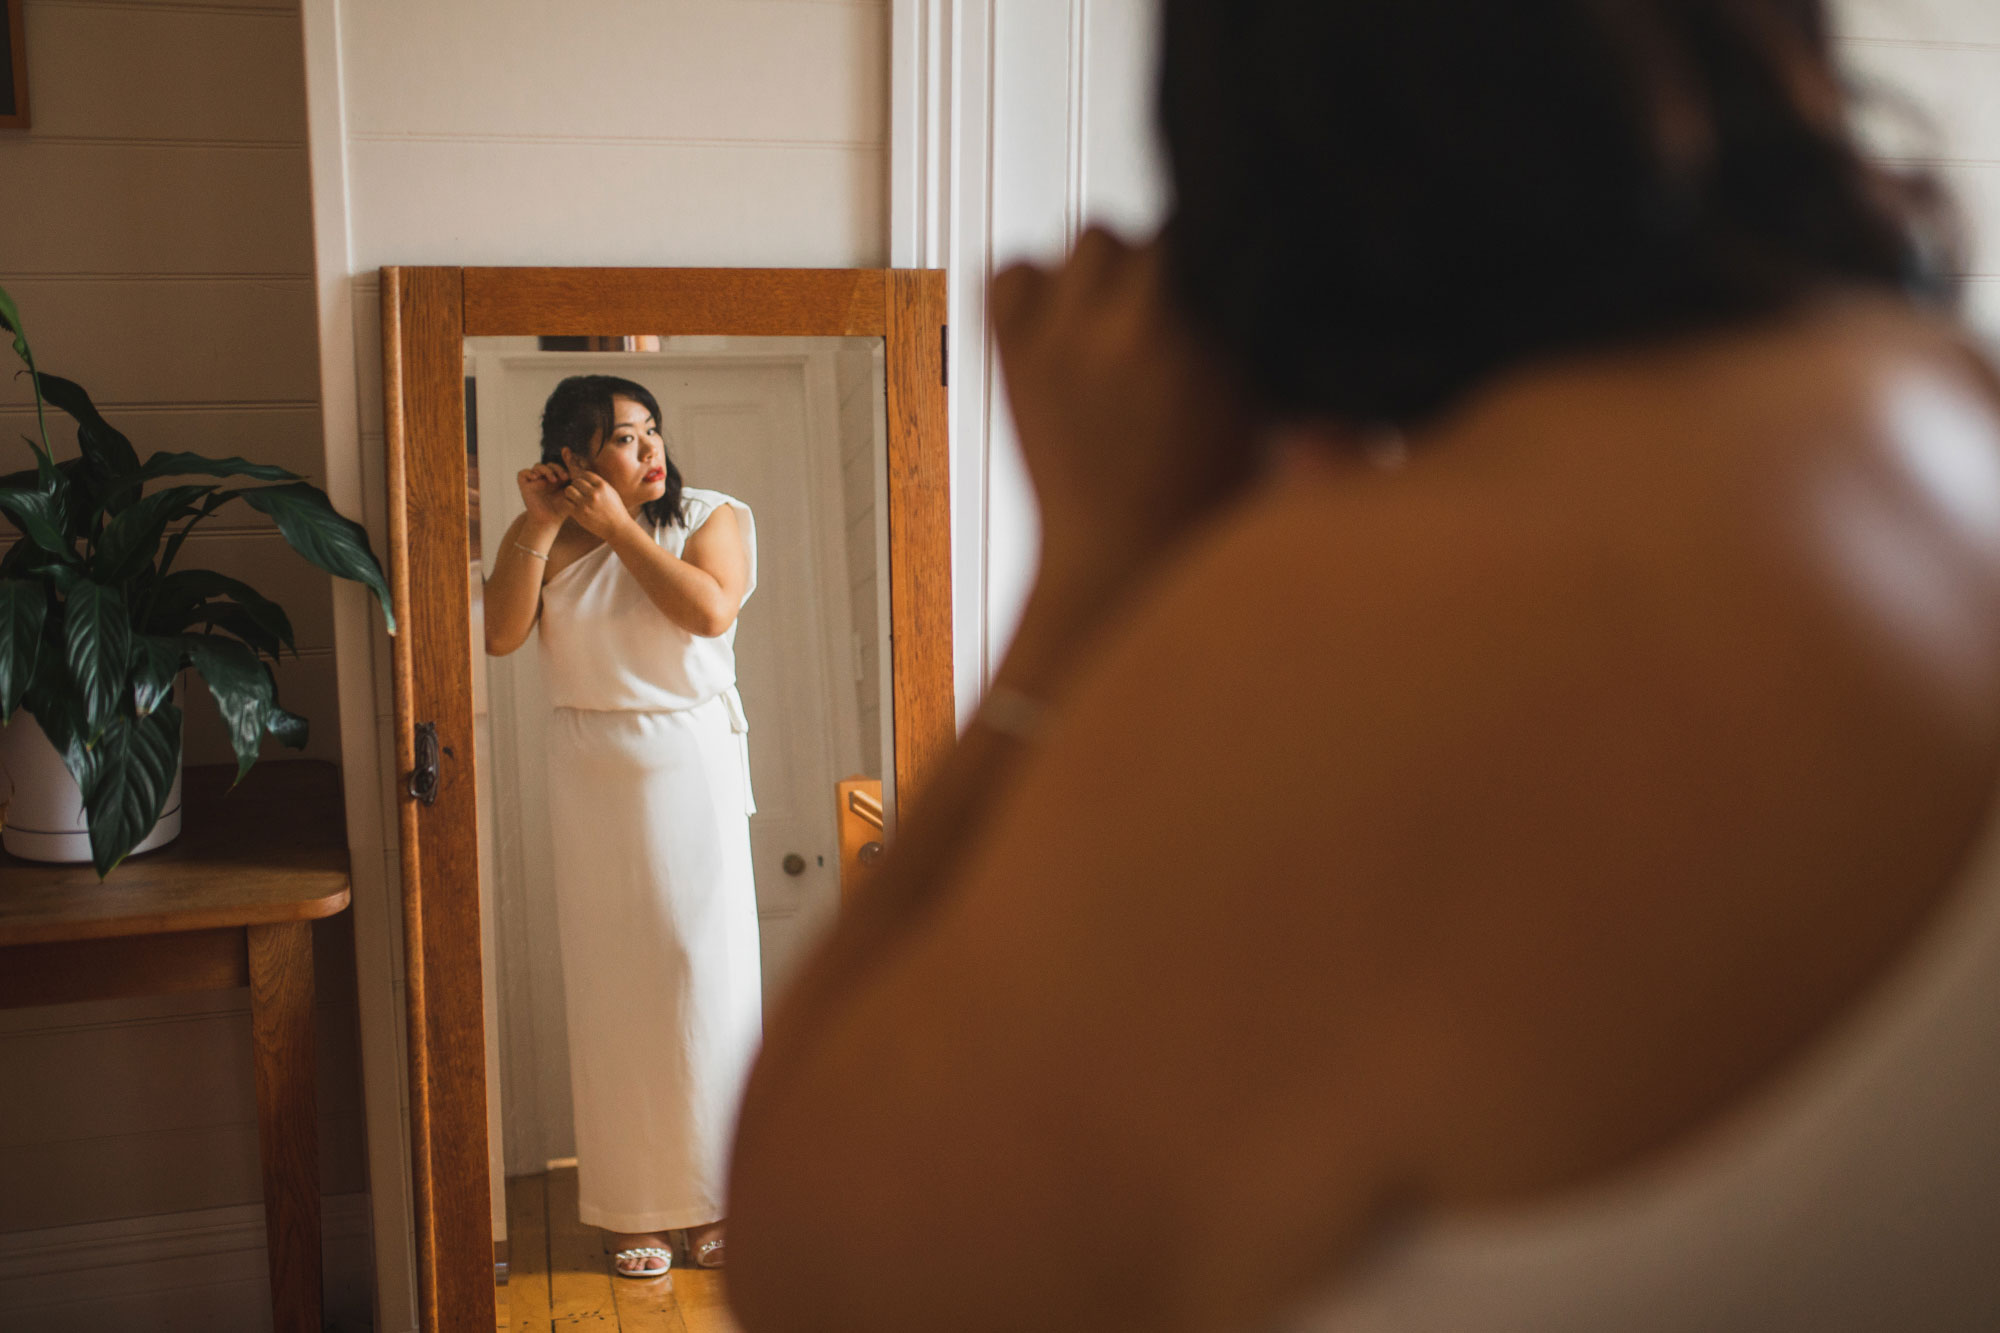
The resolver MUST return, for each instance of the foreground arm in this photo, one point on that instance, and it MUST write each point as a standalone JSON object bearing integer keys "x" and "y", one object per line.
{"x": 980, "y": 1076}
{"x": 1053, "y": 1058}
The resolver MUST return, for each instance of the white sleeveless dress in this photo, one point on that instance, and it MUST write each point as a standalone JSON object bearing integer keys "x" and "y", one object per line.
{"x": 656, "y": 905}
{"x": 1858, "y": 1193}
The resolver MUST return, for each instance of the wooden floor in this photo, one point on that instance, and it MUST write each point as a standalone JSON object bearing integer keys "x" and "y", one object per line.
{"x": 562, "y": 1276}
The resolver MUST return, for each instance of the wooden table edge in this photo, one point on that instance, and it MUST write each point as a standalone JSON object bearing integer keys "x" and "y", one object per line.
{"x": 142, "y": 923}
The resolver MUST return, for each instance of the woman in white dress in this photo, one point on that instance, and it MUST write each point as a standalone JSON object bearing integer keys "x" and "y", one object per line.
{"x": 636, "y": 581}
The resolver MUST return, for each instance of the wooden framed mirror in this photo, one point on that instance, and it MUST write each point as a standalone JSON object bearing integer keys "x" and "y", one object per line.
{"x": 467, "y": 348}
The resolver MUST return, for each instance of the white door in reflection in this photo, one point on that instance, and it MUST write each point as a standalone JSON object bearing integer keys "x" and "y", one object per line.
{"x": 790, "y": 427}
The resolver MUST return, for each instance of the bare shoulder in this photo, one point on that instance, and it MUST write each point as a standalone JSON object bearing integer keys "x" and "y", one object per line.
{"x": 1600, "y": 758}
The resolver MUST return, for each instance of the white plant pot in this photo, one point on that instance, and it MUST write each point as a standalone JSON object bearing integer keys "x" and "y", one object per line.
{"x": 44, "y": 819}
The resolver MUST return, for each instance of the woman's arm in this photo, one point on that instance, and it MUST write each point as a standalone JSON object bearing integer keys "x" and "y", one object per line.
{"x": 1133, "y": 437}
{"x": 929, "y": 1091}
{"x": 514, "y": 584}
{"x": 700, "y": 590}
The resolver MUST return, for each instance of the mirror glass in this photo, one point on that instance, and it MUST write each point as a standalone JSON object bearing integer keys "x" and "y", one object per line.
{"x": 657, "y": 847}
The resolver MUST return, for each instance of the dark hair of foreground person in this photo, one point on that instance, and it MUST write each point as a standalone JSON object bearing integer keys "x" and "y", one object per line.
{"x": 1380, "y": 206}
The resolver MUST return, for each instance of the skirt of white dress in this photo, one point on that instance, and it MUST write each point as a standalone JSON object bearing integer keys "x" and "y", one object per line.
{"x": 657, "y": 910}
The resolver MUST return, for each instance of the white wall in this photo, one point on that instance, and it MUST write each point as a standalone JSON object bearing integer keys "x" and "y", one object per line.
{"x": 1942, "y": 57}
{"x": 596, "y": 132}
{"x": 1048, "y": 124}
{"x": 157, "y": 234}
{"x": 157, "y": 238}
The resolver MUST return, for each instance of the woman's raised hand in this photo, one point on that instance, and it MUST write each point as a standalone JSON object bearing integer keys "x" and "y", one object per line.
{"x": 593, "y": 504}
{"x": 1130, "y": 427}
{"x": 541, "y": 490}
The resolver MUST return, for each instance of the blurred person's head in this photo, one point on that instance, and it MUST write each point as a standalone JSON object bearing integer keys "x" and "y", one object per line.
{"x": 1380, "y": 204}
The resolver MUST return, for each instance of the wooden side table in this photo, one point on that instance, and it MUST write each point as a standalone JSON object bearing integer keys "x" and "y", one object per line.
{"x": 230, "y": 903}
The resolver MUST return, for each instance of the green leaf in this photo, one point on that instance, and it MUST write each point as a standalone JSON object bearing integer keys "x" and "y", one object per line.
{"x": 180, "y": 596}
{"x": 10, "y": 319}
{"x": 289, "y": 729}
{"x": 129, "y": 542}
{"x": 39, "y": 514}
{"x": 209, "y": 506}
{"x": 24, "y": 607}
{"x": 155, "y": 663}
{"x": 338, "y": 545}
{"x": 24, "y": 560}
{"x": 77, "y": 489}
{"x": 207, "y": 617}
{"x": 99, "y": 633}
{"x": 112, "y": 460}
{"x": 63, "y": 578}
{"x": 52, "y": 699}
{"x": 138, "y": 759}
{"x": 243, "y": 690}
{"x": 195, "y": 465}
{"x": 232, "y": 619}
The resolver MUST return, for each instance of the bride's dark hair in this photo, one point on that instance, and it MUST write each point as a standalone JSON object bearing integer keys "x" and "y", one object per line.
{"x": 580, "y": 413}
{"x": 1380, "y": 204}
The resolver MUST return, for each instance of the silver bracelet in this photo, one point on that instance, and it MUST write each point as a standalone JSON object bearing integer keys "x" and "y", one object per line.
{"x": 1012, "y": 713}
{"x": 539, "y": 555}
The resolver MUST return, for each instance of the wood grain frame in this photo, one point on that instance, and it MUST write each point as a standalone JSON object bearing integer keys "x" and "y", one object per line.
{"x": 427, "y": 313}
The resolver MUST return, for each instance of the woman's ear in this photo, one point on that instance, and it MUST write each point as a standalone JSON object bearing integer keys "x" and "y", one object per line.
{"x": 573, "y": 463}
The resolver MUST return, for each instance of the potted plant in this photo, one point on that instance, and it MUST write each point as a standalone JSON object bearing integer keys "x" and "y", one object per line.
{"x": 96, "y": 623}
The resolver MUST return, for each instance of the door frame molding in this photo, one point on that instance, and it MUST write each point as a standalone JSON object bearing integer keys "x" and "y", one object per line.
{"x": 995, "y": 119}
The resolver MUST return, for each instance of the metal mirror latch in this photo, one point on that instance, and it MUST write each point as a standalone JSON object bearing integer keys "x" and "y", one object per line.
{"x": 425, "y": 778}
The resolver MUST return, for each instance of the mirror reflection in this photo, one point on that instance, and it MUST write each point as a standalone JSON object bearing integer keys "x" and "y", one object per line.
{"x": 680, "y": 582}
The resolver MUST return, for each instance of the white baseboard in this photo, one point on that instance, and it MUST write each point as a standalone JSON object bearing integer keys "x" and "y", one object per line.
{"x": 192, "y": 1272}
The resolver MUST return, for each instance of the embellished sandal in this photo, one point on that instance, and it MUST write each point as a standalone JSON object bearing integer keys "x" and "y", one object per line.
{"x": 642, "y": 1254}
{"x": 703, "y": 1253}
